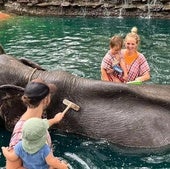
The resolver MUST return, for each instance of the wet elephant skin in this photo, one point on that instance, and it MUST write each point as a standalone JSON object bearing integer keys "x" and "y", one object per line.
{"x": 127, "y": 115}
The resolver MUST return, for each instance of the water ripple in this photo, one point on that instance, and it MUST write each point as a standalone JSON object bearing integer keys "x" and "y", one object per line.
{"x": 78, "y": 159}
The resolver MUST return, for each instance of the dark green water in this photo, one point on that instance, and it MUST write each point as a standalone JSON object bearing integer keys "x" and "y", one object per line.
{"x": 78, "y": 45}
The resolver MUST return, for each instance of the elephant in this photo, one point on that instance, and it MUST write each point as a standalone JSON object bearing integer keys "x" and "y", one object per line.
{"x": 136, "y": 116}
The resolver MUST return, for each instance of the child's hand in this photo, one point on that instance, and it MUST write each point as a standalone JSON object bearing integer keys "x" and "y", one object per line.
{"x": 109, "y": 71}
{"x": 6, "y": 150}
{"x": 9, "y": 153}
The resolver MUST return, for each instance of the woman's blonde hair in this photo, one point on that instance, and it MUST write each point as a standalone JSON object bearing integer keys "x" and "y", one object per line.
{"x": 133, "y": 34}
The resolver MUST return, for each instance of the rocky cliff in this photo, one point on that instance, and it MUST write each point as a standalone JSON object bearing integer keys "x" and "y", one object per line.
{"x": 104, "y": 8}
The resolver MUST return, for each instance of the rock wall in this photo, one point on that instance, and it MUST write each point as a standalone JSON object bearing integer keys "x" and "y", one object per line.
{"x": 106, "y": 8}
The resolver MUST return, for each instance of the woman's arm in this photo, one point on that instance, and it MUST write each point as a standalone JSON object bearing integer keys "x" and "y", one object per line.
{"x": 55, "y": 162}
{"x": 57, "y": 118}
{"x": 144, "y": 69}
{"x": 124, "y": 67}
{"x": 144, "y": 77}
{"x": 9, "y": 154}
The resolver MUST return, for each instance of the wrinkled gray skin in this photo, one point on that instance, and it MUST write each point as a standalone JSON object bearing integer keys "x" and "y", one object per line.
{"x": 128, "y": 115}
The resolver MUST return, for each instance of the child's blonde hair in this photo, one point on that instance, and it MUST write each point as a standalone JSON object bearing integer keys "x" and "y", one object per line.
{"x": 133, "y": 34}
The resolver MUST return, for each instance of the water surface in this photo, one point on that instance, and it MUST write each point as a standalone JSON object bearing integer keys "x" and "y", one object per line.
{"x": 78, "y": 44}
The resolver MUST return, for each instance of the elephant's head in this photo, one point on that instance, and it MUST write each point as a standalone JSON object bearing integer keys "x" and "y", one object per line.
{"x": 11, "y": 106}
{"x": 133, "y": 116}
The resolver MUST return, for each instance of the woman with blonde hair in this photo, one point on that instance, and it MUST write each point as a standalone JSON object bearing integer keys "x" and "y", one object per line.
{"x": 136, "y": 63}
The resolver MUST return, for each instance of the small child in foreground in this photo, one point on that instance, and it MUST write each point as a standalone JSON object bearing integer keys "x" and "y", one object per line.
{"x": 33, "y": 149}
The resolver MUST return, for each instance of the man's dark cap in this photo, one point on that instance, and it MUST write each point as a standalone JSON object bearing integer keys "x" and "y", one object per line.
{"x": 38, "y": 89}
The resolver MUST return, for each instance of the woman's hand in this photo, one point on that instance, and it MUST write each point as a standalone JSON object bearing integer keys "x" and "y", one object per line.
{"x": 57, "y": 118}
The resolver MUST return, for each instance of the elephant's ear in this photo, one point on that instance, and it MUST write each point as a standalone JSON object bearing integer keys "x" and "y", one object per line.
{"x": 11, "y": 105}
{"x": 2, "y": 51}
{"x": 31, "y": 64}
{"x": 13, "y": 89}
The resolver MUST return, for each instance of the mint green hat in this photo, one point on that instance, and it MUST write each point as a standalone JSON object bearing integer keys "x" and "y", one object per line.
{"x": 34, "y": 134}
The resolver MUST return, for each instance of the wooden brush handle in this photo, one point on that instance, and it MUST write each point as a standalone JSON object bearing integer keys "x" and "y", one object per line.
{"x": 67, "y": 108}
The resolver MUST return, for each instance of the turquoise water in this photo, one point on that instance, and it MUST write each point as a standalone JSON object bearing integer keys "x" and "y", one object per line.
{"x": 77, "y": 45}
